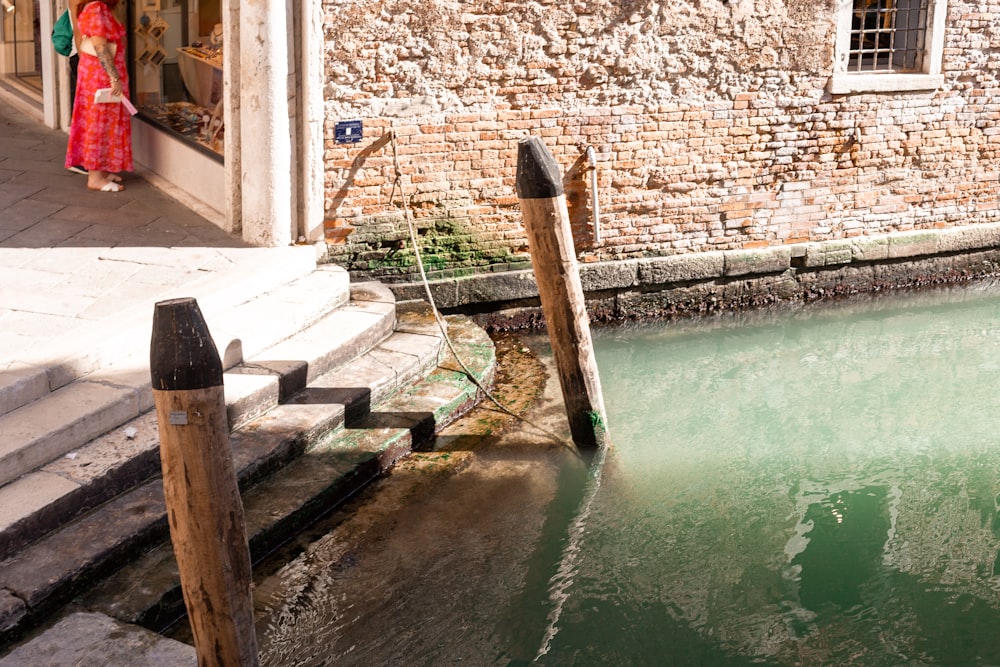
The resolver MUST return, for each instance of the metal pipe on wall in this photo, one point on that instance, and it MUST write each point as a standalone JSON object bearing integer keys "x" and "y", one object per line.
{"x": 595, "y": 207}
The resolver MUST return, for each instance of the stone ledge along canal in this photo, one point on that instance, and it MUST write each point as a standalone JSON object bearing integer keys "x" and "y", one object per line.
{"x": 809, "y": 486}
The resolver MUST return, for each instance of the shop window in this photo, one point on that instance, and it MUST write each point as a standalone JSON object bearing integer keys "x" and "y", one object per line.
{"x": 176, "y": 50}
{"x": 21, "y": 43}
{"x": 889, "y": 45}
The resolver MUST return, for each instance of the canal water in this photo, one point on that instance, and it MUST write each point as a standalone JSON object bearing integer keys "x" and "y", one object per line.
{"x": 816, "y": 486}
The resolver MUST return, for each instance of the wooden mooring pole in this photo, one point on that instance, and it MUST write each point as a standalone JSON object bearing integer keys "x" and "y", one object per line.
{"x": 204, "y": 508}
{"x": 553, "y": 257}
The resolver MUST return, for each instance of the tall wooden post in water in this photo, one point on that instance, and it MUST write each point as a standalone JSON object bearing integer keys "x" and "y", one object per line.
{"x": 199, "y": 483}
{"x": 553, "y": 257}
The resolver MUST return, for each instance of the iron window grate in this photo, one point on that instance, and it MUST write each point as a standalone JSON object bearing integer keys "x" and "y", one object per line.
{"x": 888, "y": 36}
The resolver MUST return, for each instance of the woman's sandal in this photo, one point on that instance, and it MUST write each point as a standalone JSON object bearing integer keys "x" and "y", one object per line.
{"x": 108, "y": 187}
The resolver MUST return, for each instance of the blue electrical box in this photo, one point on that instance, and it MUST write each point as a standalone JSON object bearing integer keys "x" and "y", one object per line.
{"x": 348, "y": 132}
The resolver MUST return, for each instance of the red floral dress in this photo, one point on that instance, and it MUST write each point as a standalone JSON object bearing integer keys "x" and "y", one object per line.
{"x": 100, "y": 135}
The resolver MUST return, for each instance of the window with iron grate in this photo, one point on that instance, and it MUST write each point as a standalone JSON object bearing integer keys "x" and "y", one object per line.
{"x": 888, "y": 45}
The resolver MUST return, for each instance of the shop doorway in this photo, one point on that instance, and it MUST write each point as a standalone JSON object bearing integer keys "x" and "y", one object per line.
{"x": 21, "y": 46}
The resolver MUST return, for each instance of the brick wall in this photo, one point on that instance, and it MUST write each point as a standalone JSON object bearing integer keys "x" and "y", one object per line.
{"x": 710, "y": 122}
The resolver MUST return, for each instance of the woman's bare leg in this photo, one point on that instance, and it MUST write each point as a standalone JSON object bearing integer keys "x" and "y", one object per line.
{"x": 96, "y": 179}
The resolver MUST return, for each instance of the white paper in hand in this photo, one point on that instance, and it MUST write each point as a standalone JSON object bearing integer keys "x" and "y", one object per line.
{"x": 104, "y": 96}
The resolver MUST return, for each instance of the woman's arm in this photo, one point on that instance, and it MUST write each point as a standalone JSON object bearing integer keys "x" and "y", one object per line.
{"x": 106, "y": 57}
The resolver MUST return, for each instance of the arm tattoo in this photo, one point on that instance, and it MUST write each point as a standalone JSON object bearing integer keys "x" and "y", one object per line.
{"x": 107, "y": 60}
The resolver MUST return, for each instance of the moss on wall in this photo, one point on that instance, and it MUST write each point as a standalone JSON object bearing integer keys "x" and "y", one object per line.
{"x": 449, "y": 248}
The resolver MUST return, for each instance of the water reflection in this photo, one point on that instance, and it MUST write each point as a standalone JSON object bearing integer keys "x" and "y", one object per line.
{"x": 809, "y": 489}
{"x": 814, "y": 487}
{"x": 837, "y": 563}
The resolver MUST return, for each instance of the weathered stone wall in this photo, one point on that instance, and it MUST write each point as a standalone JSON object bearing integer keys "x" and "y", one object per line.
{"x": 709, "y": 119}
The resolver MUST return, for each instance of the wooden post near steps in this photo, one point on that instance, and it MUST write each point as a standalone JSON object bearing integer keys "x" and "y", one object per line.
{"x": 553, "y": 258}
{"x": 204, "y": 508}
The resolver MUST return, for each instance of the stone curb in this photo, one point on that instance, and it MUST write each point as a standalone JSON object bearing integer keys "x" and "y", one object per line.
{"x": 518, "y": 287}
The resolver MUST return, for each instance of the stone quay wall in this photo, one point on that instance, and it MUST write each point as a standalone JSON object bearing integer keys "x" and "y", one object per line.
{"x": 710, "y": 121}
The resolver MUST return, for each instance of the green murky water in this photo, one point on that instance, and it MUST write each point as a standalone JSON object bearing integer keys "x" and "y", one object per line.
{"x": 813, "y": 487}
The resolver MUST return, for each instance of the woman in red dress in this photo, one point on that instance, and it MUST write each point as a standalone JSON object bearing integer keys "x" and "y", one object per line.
{"x": 100, "y": 135}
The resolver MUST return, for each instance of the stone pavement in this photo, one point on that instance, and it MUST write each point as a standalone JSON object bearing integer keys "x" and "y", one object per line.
{"x": 70, "y": 257}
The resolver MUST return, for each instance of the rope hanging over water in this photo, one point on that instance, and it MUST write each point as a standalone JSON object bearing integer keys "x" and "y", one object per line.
{"x": 442, "y": 325}
{"x": 565, "y": 574}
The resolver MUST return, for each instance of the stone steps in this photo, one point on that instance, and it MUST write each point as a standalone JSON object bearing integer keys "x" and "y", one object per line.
{"x": 90, "y": 404}
{"x": 331, "y": 469}
{"x": 312, "y": 428}
{"x": 93, "y": 471}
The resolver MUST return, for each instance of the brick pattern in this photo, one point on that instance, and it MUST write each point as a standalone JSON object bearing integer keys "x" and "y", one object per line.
{"x": 695, "y": 151}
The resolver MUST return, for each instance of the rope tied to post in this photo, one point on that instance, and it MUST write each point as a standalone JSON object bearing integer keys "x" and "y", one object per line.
{"x": 397, "y": 185}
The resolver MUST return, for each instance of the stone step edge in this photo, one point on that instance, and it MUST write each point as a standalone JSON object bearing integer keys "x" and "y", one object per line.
{"x": 79, "y": 637}
{"x": 361, "y": 457}
{"x": 260, "y": 383}
{"x": 87, "y": 479}
{"x": 115, "y": 398}
{"x": 47, "y": 368}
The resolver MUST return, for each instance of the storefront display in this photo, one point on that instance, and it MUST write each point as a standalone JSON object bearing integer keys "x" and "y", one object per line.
{"x": 177, "y": 51}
